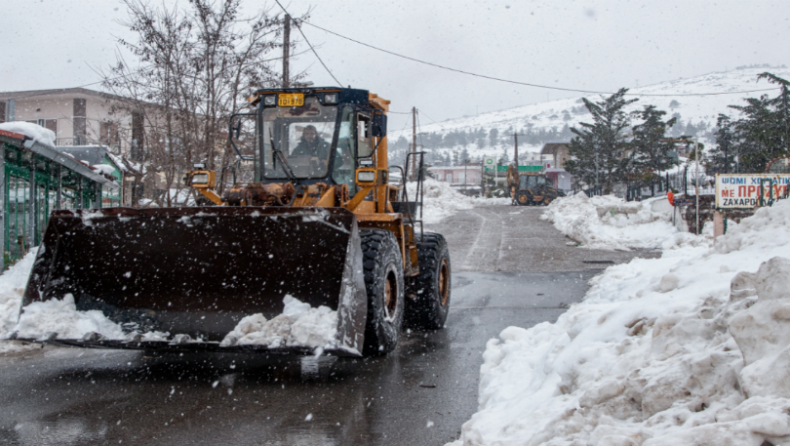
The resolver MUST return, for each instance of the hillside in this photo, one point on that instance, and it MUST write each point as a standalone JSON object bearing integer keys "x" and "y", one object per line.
{"x": 550, "y": 121}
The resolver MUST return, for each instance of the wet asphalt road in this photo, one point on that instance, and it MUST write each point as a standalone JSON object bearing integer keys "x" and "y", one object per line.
{"x": 509, "y": 268}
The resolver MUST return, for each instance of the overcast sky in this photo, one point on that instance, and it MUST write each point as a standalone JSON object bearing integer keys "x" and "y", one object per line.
{"x": 598, "y": 45}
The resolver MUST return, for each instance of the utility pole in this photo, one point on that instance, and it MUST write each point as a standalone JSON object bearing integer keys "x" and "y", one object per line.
{"x": 515, "y": 156}
{"x": 413, "y": 142}
{"x": 696, "y": 182}
{"x": 286, "y": 49}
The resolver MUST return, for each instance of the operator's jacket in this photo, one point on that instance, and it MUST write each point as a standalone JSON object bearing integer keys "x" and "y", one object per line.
{"x": 318, "y": 148}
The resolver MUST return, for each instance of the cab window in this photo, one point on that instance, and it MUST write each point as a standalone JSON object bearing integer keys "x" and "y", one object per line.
{"x": 364, "y": 136}
{"x": 343, "y": 165}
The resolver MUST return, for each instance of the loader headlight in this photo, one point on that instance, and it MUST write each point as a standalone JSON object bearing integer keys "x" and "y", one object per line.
{"x": 366, "y": 176}
{"x": 270, "y": 100}
{"x": 330, "y": 98}
{"x": 200, "y": 178}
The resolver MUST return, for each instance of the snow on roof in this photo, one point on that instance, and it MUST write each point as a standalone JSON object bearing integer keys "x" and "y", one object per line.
{"x": 30, "y": 130}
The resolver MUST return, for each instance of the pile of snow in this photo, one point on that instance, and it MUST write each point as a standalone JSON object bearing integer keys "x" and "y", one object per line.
{"x": 441, "y": 201}
{"x": 692, "y": 348}
{"x": 32, "y": 131}
{"x": 103, "y": 168}
{"x": 608, "y": 222}
{"x": 62, "y": 317}
{"x": 298, "y": 325}
{"x": 12, "y": 285}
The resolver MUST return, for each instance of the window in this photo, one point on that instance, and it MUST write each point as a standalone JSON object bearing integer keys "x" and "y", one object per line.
{"x": 297, "y": 140}
{"x": 364, "y": 138}
{"x": 344, "y": 164}
{"x": 108, "y": 133}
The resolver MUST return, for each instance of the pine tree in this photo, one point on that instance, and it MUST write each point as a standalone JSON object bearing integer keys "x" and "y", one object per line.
{"x": 599, "y": 148}
{"x": 649, "y": 154}
{"x": 463, "y": 158}
{"x": 722, "y": 158}
{"x": 504, "y": 160}
{"x": 493, "y": 136}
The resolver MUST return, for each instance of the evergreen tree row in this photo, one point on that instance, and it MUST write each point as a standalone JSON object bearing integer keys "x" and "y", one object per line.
{"x": 621, "y": 146}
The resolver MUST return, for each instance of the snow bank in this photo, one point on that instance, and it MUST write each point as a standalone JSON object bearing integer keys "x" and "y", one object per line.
{"x": 298, "y": 325}
{"x": 12, "y": 285}
{"x": 691, "y": 348}
{"x": 608, "y": 222}
{"x": 32, "y": 131}
{"x": 441, "y": 201}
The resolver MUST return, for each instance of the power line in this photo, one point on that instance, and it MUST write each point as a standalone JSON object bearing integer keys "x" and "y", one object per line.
{"x": 426, "y": 114}
{"x": 310, "y": 45}
{"x": 574, "y": 90}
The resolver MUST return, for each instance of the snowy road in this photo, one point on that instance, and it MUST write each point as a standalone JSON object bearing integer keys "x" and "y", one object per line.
{"x": 510, "y": 268}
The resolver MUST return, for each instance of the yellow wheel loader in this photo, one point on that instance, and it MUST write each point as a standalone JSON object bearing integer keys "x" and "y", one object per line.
{"x": 530, "y": 188}
{"x": 316, "y": 220}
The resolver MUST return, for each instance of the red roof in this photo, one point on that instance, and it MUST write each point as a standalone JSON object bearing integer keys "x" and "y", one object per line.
{"x": 18, "y": 136}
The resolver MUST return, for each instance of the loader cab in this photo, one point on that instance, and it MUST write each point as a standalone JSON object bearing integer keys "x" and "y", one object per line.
{"x": 531, "y": 181}
{"x": 312, "y": 135}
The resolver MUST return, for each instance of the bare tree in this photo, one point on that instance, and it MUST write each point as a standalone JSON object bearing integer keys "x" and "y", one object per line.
{"x": 196, "y": 66}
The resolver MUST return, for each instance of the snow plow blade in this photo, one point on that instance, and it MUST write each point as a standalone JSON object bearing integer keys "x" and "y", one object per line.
{"x": 194, "y": 273}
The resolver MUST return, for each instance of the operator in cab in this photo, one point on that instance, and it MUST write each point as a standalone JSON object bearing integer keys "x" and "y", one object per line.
{"x": 311, "y": 144}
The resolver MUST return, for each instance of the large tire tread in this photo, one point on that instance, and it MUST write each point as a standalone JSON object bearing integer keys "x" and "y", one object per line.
{"x": 381, "y": 256}
{"x": 424, "y": 309}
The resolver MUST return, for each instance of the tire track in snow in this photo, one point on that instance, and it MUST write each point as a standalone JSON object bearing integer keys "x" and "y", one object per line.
{"x": 484, "y": 253}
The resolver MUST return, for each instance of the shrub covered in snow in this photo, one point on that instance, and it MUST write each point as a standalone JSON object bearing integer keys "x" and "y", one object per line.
{"x": 689, "y": 349}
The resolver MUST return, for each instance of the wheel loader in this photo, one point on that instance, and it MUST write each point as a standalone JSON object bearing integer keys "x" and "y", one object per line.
{"x": 530, "y": 188}
{"x": 310, "y": 216}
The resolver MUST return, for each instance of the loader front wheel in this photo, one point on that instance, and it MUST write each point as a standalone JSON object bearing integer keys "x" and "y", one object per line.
{"x": 429, "y": 293}
{"x": 383, "y": 269}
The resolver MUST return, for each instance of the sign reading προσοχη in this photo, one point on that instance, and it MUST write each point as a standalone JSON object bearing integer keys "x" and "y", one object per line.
{"x": 744, "y": 190}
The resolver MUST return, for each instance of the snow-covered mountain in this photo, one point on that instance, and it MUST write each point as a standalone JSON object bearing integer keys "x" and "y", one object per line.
{"x": 550, "y": 118}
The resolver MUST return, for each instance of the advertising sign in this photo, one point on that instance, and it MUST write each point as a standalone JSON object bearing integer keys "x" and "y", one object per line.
{"x": 489, "y": 164}
{"x": 743, "y": 190}
{"x": 522, "y": 168}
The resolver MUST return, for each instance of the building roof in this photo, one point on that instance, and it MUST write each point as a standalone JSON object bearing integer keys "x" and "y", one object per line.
{"x": 6, "y": 95}
{"x": 550, "y": 148}
{"x": 90, "y": 154}
{"x": 47, "y": 151}
{"x": 468, "y": 167}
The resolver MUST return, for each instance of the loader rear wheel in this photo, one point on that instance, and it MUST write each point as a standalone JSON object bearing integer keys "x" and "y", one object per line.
{"x": 524, "y": 198}
{"x": 383, "y": 269}
{"x": 429, "y": 293}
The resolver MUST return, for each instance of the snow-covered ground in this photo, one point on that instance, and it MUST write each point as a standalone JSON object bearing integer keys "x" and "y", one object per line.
{"x": 692, "y": 348}
{"x": 608, "y": 222}
{"x": 441, "y": 201}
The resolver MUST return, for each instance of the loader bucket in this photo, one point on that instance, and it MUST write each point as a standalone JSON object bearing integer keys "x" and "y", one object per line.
{"x": 199, "y": 271}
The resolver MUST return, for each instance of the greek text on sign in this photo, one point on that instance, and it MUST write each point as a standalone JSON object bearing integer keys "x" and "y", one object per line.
{"x": 742, "y": 190}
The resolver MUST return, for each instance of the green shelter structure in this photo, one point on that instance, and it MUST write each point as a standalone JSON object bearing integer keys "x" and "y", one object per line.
{"x": 35, "y": 179}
